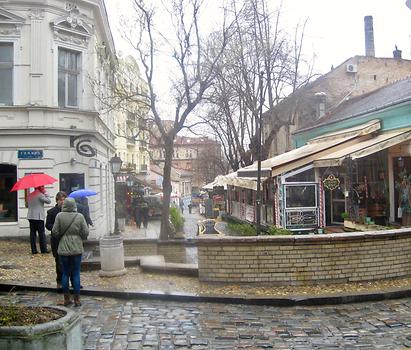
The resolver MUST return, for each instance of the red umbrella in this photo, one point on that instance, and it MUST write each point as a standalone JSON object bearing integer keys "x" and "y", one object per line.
{"x": 33, "y": 180}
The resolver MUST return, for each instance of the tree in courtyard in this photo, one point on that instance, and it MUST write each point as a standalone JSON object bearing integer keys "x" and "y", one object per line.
{"x": 191, "y": 76}
{"x": 258, "y": 53}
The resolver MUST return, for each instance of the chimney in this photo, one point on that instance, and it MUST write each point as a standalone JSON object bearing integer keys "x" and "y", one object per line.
{"x": 397, "y": 53}
{"x": 320, "y": 98}
{"x": 369, "y": 36}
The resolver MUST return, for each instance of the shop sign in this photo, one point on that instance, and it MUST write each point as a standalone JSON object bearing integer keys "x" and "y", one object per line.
{"x": 331, "y": 182}
{"x": 29, "y": 154}
{"x": 83, "y": 145}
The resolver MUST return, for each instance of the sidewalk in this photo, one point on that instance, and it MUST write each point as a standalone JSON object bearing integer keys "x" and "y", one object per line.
{"x": 19, "y": 267}
{"x": 153, "y": 229}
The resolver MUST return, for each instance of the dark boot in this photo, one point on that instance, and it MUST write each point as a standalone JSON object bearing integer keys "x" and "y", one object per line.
{"x": 77, "y": 300}
{"x": 67, "y": 300}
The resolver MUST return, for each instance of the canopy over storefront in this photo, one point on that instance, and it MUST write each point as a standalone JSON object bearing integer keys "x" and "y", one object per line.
{"x": 314, "y": 149}
{"x": 364, "y": 148}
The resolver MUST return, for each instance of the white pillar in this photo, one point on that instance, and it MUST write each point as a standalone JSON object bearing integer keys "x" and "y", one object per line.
{"x": 112, "y": 256}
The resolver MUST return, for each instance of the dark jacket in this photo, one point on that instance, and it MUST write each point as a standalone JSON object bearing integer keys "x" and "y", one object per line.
{"x": 85, "y": 211}
{"x": 51, "y": 218}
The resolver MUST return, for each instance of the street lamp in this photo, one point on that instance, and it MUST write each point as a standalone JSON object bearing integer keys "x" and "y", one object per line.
{"x": 111, "y": 247}
{"x": 115, "y": 164}
{"x": 130, "y": 182}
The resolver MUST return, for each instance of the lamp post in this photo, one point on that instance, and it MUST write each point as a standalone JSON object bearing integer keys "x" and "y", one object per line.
{"x": 111, "y": 247}
{"x": 115, "y": 164}
{"x": 259, "y": 137}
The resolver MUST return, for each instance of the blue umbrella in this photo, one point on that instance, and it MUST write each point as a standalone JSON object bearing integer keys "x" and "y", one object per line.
{"x": 82, "y": 193}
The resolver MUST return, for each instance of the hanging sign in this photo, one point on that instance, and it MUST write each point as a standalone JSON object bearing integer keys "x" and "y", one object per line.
{"x": 331, "y": 182}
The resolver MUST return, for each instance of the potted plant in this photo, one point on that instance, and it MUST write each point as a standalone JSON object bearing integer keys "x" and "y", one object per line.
{"x": 43, "y": 327}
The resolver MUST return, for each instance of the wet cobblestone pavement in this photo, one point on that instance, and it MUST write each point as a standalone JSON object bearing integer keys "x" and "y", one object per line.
{"x": 135, "y": 324}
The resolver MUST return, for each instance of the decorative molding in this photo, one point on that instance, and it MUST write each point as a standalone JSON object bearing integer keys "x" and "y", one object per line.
{"x": 10, "y": 24}
{"x": 72, "y": 27}
{"x": 11, "y": 31}
{"x": 36, "y": 14}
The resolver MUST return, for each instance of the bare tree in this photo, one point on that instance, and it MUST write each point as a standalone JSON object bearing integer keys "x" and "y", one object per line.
{"x": 259, "y": 48}
{"x": 192, "y": 76}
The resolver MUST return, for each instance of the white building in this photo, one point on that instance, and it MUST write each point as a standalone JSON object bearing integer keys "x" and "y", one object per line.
{"x": 49, "y": 116}
{"x": 131, "y": 130}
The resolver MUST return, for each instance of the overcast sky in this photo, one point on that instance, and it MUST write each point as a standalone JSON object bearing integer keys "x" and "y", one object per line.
{"x": 335, "y": 29}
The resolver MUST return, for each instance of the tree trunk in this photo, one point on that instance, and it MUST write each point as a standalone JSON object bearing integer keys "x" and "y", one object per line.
{"x": 165, "y": 216}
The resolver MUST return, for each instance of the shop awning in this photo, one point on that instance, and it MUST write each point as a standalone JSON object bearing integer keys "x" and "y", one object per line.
{"x": 314, "y": 149}
{"x": 245, "y": 182}
{"x": 364, "y": 148}
{"x": 218, "y": 181}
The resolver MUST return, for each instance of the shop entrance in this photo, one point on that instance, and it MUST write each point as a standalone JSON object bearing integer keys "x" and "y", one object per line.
{"x": 335, "y": 200}
{"x": 70, "y": 182}
{"x": 8, "y": 200}
{"x": 402, "y": 167}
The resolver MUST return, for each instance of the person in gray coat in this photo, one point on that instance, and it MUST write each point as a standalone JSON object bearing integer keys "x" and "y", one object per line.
{"x": 36, "y": 216}
{"x": 70, "y": 228}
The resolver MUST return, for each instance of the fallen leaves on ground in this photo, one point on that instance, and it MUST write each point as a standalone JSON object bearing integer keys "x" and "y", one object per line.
{"x": 20, "y": 266}
{"x": 17, "y": 315}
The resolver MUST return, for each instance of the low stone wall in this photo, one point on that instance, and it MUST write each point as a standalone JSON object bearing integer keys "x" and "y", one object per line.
{"x": 140, "y": 247}
{"x": 173, "y": 251}
{"x": 305, "y": 259}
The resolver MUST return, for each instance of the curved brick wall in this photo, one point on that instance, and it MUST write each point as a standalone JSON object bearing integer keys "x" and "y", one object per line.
{"x": 305, "y": 259}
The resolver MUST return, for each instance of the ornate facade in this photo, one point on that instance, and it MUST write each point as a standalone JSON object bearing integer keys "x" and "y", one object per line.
{"x": 50, "y": 118}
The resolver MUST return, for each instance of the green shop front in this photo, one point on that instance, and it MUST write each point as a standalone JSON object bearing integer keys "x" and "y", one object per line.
{"x": 358, "y": 174}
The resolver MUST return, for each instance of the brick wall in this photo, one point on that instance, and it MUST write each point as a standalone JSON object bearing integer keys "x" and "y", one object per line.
{"x": 306, "y": 259}
{"x": 173, "y": 252}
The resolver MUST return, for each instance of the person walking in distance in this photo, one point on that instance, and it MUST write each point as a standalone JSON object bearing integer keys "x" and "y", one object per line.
{"x": 141, "y": 211}
{"x": 51, "y": 218}
{"x": 181, "y": 204}
{"x": 36, "y": 216}
{"x": 71, "y": 229}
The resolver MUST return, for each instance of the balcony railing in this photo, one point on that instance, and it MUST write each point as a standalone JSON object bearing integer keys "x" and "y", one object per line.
{"x": 129, "y": 166}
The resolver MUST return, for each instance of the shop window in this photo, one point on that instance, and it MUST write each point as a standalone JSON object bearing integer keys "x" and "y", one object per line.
{"x": 305, "y": 176}
{"x": 8, "y": 200}
{"x": 71, "y": 182}
{"x": 6, "y": 74}
{"x": 301, "y": 196}
{"x": 68, "y": 77}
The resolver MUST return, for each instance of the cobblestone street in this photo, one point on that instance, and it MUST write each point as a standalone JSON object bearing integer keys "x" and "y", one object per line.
{"x": 136, "y": 324}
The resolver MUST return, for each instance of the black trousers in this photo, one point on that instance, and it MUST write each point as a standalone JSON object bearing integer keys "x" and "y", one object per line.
{"x": 37, "y": 226}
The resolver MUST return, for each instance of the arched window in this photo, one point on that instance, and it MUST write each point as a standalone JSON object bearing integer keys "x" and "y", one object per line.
{"x": 8, "y": 200}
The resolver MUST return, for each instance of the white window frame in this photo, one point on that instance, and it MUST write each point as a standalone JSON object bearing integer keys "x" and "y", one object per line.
{"x": 79, "y": 77}
{"x": 13, "y": 71}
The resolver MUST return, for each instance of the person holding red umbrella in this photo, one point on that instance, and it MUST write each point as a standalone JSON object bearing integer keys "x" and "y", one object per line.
{"x": 36, "y": 216}
{"x": 36, "y": 201}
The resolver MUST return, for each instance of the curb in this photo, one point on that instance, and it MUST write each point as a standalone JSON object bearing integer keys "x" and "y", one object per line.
{"x": 293, "y": 300}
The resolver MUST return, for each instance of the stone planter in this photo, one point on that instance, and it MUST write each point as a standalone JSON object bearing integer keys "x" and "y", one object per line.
{"x": 63, "y": 333}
